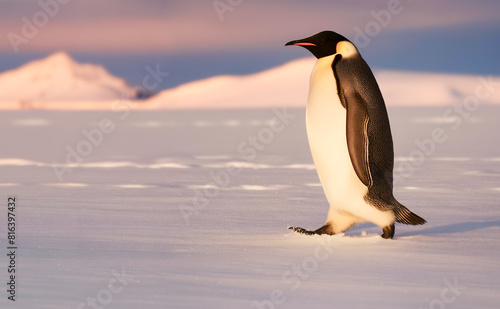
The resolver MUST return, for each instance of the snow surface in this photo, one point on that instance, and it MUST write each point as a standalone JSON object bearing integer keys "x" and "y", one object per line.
{"x": 129, "y": 206}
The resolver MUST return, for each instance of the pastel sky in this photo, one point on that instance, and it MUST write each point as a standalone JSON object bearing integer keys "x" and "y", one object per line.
{"x": 200, "y": 38}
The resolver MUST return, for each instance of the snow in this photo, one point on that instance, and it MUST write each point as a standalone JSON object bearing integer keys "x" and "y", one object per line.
{"x": 58, "y": 82}
{"x": 59, "y": 78}
{"x": 288, "y": 85}
{"x": 186, "y": 217}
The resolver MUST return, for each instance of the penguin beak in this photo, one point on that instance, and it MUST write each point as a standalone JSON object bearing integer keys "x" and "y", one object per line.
{"x": 300, "y": 43}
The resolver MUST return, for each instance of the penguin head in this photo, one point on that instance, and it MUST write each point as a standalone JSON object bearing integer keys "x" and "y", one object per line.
{"x": 326, "y": 43}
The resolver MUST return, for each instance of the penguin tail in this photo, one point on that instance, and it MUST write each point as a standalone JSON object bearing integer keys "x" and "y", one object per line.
{"x": 405, "y": 216}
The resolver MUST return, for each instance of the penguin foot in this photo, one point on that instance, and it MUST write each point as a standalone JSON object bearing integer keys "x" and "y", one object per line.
{"x": 301, "y": 230}
{"x": 388, "y": 231}
{"x": 325, "y": 229}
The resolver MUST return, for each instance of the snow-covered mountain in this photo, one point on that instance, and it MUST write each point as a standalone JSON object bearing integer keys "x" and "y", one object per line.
{"x": 287, "y": 85}
{"x": 58, "y": 82}
{"x": 59, "y": 78}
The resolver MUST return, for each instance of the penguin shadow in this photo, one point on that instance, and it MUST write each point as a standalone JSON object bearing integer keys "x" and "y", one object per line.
{"x": 453, "y": 228}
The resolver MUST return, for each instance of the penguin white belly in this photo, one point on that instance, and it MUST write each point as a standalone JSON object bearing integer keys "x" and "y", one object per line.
{"x": 326, "y": 130}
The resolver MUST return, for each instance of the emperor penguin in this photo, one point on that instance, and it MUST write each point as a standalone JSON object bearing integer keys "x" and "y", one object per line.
{"x": 350, "y": 139}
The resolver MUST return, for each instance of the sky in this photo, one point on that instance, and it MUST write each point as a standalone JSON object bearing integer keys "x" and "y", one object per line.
{"x": 201, "y": 38}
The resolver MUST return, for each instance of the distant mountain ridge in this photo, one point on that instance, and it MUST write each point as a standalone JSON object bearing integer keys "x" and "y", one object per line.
{"x": 288, "y": 84}
{"x": 60, "y": 78}
{"x": 59, "y": 82}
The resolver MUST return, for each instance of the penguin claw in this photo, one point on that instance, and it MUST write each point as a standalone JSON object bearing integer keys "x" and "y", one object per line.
{"x": 301, "y": 230}
{"x": 325, "y": 229}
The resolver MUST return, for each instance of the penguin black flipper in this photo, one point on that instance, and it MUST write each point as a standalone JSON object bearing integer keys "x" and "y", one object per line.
{"x": 358, "y": 116}
{"x": 357, "y": 137}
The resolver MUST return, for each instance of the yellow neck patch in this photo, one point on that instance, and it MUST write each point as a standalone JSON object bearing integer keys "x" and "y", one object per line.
{"x": 346, "y": 49}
